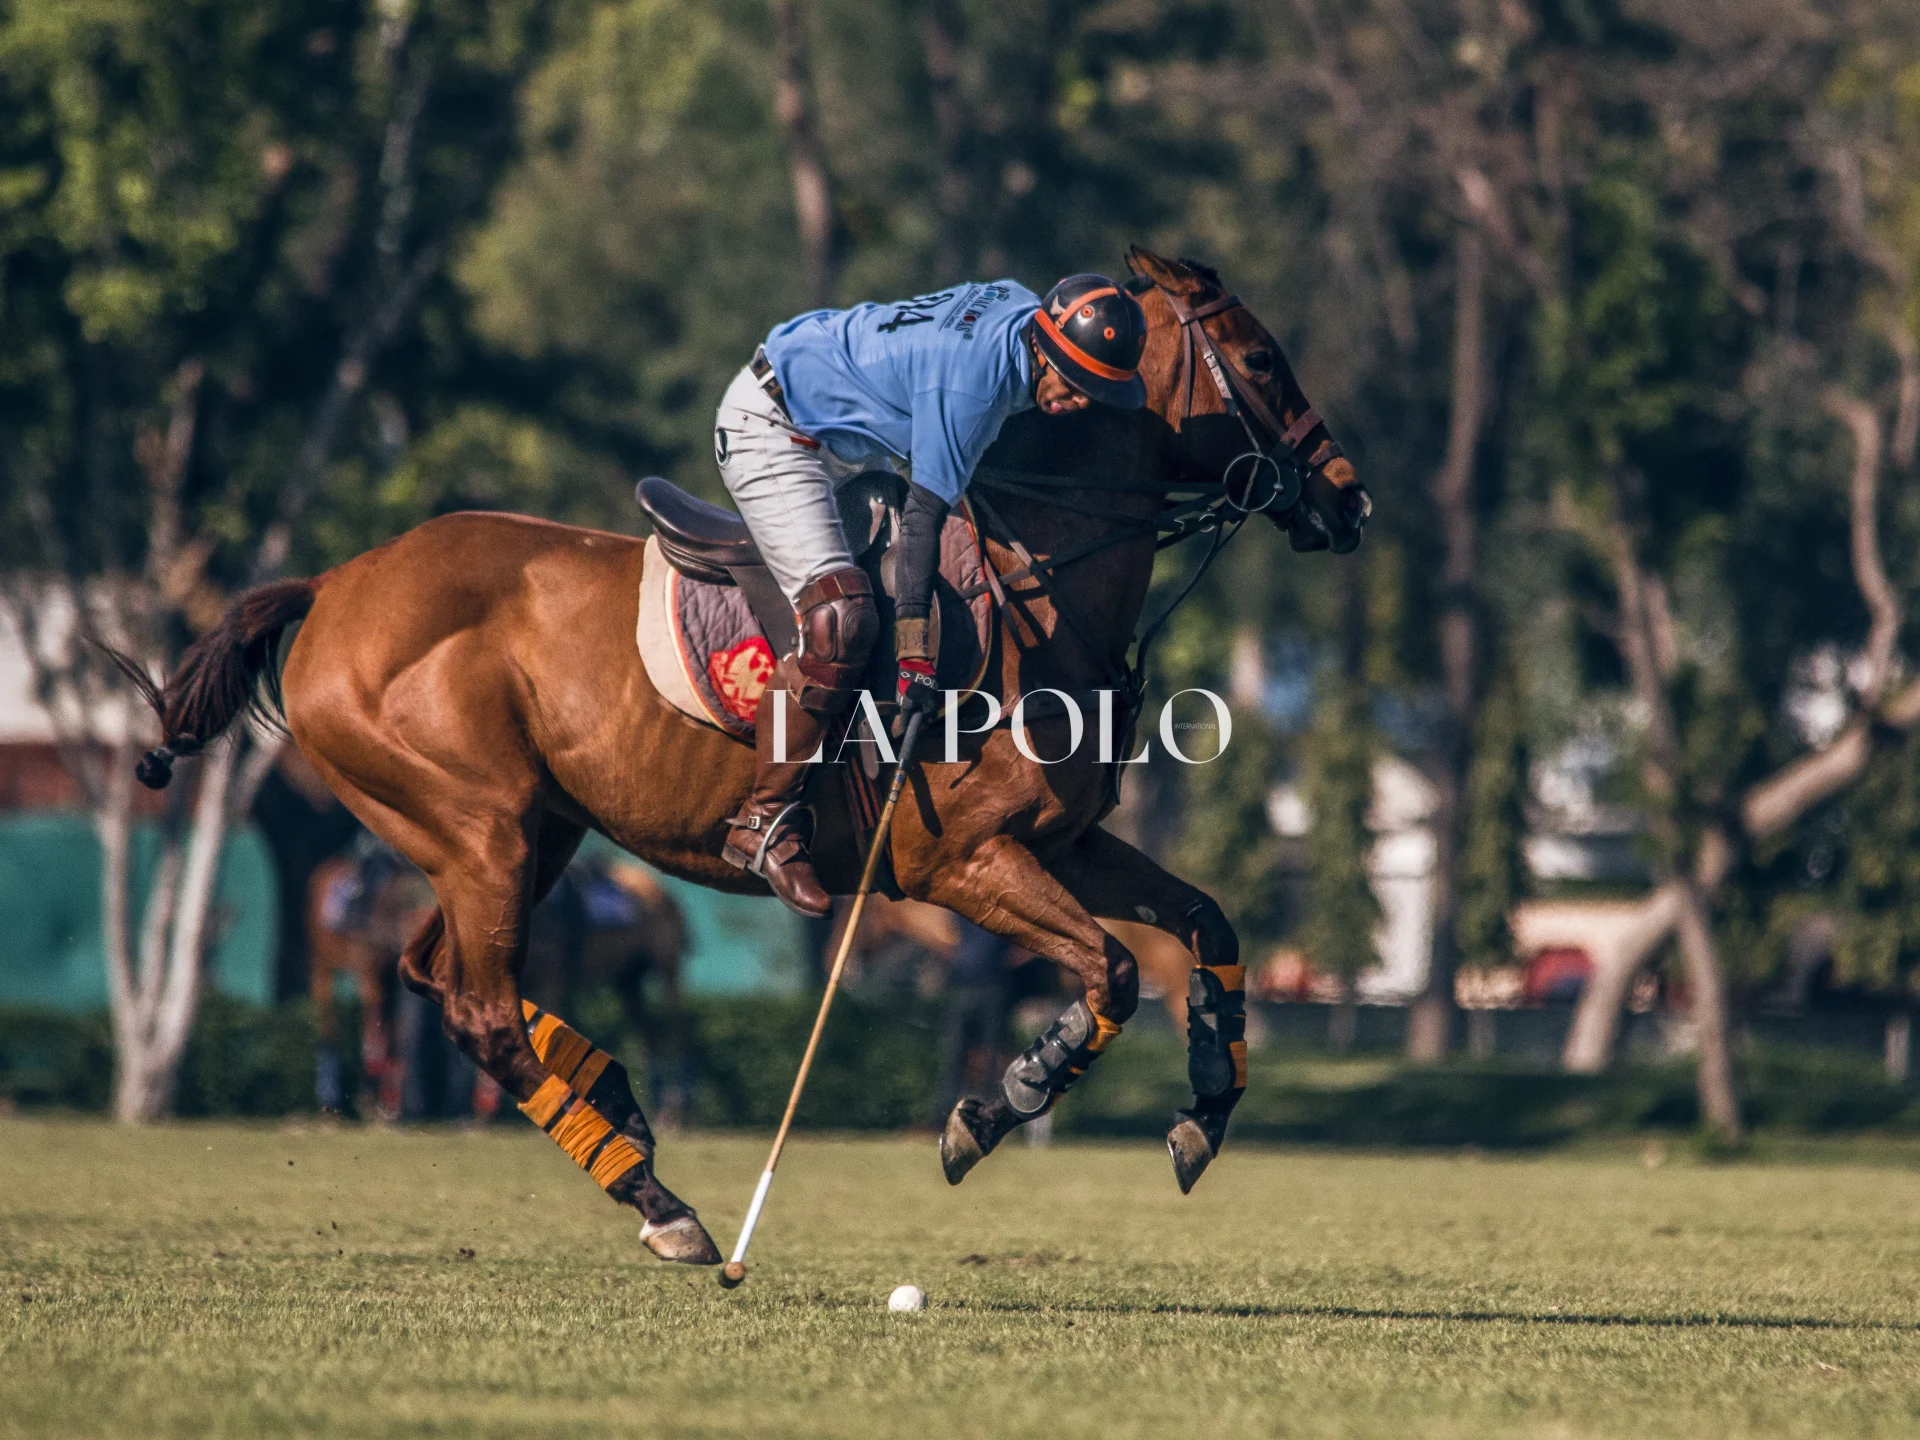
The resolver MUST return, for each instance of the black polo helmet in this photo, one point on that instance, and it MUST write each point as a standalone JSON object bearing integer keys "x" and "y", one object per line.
{"x": 1094, "y": 333}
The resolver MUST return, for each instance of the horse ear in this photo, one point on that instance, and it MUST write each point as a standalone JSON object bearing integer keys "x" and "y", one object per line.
{"x": 1168, "y": 274}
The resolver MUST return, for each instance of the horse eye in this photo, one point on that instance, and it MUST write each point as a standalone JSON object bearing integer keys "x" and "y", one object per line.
{"x": 1258, "y": 361}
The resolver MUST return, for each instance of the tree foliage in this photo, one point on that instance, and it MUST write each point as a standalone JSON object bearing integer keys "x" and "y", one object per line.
{"x": 1340, "y": 754}
{"x": 281, "y": 278}
{"x": 1493, "y": 871}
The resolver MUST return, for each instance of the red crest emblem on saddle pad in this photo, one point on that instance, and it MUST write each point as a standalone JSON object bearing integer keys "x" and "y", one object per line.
{"x": 739, "y": 675}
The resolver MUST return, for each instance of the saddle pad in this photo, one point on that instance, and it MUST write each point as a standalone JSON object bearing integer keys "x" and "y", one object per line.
{"x": 707, "y": 657}
{"x": 701, "y": 646}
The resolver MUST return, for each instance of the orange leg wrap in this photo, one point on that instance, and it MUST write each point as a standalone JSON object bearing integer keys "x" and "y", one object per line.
{"x": 563, "y": 1050}
{"x": 560, "y": 1106}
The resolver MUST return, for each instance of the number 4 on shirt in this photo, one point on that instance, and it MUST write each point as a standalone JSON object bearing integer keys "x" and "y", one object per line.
{"x": 911, "y": 312}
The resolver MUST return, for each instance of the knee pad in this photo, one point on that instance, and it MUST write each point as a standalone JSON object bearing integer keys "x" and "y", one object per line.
{"x": 1217, "y": 1029}
{"x": 1059, "y": 1057}
{"x": 838, "y": 623}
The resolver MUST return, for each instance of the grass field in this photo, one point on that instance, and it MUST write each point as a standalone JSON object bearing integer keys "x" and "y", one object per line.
{"x": 215, "y": 1280}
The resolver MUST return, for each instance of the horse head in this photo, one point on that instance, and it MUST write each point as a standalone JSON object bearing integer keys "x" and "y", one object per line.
{"x": 1275, "y": 418}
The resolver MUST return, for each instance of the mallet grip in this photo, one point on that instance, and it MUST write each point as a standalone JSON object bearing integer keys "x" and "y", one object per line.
{"x": 753, "y": 1216}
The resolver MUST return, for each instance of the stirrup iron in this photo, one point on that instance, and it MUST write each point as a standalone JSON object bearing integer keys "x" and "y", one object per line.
{"x": 758, "y": 864}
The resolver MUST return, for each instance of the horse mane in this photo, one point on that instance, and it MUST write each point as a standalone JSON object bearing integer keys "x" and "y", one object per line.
{"x": 1205, "y": 271}
{"x": 1139, "y": 283}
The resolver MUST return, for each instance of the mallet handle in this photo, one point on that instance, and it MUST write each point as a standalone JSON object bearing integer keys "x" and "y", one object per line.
{"x": 880, "y": 833}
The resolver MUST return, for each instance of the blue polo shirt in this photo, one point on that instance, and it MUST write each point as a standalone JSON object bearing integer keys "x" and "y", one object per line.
{"x": 929, "y": 380}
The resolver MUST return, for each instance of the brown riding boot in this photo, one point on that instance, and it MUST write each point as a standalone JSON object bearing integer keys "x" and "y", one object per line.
{"x": 769, "y": 836}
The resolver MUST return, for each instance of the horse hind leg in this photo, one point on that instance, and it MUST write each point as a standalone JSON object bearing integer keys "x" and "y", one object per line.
{"x": 467, "y": 957}
{"x": 1117, "y": 882}
{"x": 598, "y": 1089}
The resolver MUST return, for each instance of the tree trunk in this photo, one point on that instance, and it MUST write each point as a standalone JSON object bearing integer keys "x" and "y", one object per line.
{"x": 1663, "y": 775}
{"x": 953, "y": 248}
{"x": 154, "y": 1006}
{"x": 1719, "y": 1104}
{"x": 1430, "y": 1024}
{"x": 793, "y": 104}
{"x": 1343, "y": 1021}
{"x": 1796, "y": 788}
{"x": 1594, "y": 1034}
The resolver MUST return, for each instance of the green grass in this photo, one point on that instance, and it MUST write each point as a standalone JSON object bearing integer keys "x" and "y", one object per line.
{"x": 190, "y": 1281}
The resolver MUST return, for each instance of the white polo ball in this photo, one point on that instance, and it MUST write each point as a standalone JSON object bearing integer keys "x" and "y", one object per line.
{"x": 907, "y": 1297}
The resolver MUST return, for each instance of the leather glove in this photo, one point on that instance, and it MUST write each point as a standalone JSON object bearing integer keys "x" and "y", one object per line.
{"x": 915, "y": 691}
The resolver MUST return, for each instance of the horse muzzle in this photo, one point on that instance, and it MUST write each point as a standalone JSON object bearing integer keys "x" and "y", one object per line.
{"x": 1313, "y": 525}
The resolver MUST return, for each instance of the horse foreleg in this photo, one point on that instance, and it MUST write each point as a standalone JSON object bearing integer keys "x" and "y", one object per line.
{"x": 1006, "y": 889}
{"x": 1116, "y": 882}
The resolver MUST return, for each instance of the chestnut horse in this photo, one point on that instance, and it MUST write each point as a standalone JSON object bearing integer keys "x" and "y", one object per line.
{"x": 473, "y": 693}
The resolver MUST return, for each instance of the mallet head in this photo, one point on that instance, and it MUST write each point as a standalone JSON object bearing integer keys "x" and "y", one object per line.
{"x": 732, "y": 1273}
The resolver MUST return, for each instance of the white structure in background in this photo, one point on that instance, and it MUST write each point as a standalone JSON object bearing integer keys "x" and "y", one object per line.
{"x": 23, "y": 720}
{"x": 1400, "y": 867}
{"x": 1575, "y": 837}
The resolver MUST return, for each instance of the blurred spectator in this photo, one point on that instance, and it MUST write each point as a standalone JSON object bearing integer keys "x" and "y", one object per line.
{"x": 974, "y": 1030}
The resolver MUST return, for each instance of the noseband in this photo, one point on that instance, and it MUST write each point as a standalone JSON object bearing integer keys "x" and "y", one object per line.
{"x": 1284, "y": 463}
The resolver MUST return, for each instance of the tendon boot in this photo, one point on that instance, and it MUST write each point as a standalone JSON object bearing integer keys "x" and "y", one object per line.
{"x": 1032, "y": 1083}
{"x": 1216, "y": 1068}
{"x": 770, "y": 835}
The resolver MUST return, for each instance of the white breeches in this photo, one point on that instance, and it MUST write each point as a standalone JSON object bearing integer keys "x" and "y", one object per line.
{"x": 784, "y": 484}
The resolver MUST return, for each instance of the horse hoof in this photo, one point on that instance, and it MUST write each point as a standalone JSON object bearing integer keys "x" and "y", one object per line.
{"x": 1192, "y": 1152}
{"x": 684, "y": 1241}
{"x": 959, "y": 1151}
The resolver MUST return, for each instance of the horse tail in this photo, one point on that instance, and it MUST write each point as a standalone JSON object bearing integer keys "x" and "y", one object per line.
{"x": 220, "y": 677}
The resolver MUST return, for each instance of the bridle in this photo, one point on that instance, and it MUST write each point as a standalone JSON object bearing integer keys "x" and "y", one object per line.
{"x": 1205, "y": 507}
{"x": 1285, "y": 461}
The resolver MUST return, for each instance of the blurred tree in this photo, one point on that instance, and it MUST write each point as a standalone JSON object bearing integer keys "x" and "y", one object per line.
{"x": 1342, "y": 911}
{"x": 1227, "y": 845}
{"x": 646, "y": 240}
{"x": 223, "y": 224}
{"x": 1493, "y": 871}
{"x": 1613, "y": 305}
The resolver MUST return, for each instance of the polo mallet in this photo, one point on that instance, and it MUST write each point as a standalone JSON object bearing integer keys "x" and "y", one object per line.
{"x": 735, "y": 1270}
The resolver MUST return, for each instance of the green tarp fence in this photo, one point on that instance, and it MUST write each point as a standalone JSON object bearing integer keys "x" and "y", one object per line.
{"x": 51, "y": 955}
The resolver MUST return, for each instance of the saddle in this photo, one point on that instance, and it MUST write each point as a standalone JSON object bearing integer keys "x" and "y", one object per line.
{"x": 713, "y": 621}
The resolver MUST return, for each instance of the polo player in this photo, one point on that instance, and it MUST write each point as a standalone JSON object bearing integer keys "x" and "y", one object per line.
{"x": 920, "y": 387}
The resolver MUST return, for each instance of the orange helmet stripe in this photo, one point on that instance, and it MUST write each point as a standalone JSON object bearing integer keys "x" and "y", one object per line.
{"x": 1099, "y": 294}
{"x": 1077, "y": 355}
